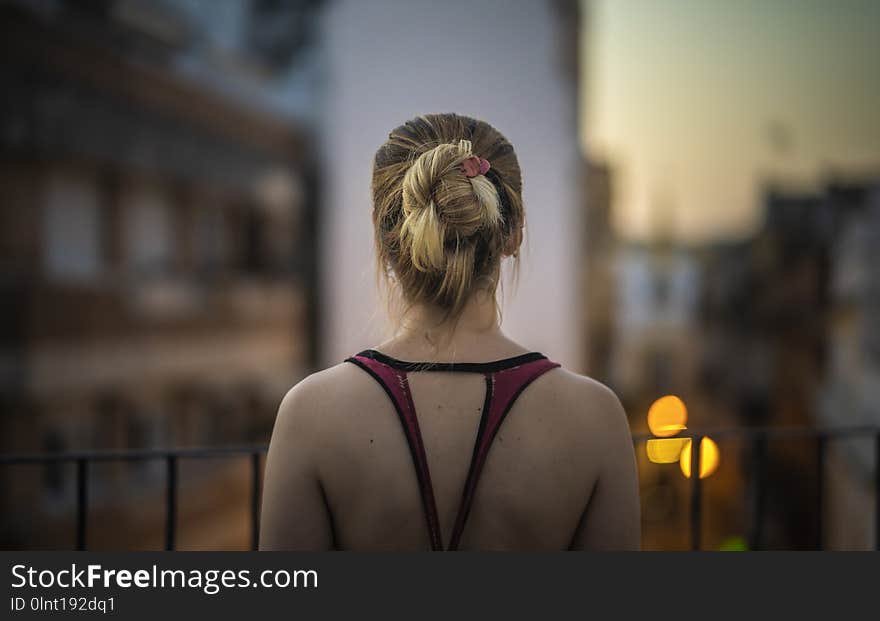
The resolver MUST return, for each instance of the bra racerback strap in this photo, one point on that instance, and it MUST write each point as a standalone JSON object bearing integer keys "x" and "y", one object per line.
{"x": 502, "y": 390}
{"x": 396, "y": 385}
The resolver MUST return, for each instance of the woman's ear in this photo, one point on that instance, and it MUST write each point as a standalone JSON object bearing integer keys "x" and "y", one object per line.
{"x": 514, "y": 242}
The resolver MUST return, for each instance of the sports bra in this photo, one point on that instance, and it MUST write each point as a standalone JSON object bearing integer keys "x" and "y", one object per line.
{"x": 505, "y": 381}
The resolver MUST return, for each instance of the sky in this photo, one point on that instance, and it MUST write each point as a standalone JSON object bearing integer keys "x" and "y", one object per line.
{"x": 697, "y": 104}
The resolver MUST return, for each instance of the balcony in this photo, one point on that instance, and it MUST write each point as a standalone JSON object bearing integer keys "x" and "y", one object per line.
{"x": 760, "y": 441}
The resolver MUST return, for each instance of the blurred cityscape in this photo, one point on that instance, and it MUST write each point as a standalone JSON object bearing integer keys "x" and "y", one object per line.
{"x": 169, "y": 228}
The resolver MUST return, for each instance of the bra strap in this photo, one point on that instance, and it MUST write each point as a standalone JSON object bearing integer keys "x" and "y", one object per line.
{"x": 396, "y": 385}
{"x": 502, "y": 390}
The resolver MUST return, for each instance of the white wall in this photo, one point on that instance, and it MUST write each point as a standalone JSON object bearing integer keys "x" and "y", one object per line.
{"x": 387, "y": 61}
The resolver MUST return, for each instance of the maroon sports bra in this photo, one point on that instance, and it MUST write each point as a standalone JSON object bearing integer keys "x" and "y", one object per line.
{"x": 505, "y": 381}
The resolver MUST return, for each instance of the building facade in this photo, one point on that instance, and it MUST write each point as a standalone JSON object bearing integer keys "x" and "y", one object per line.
{"x": 157, "y": 265}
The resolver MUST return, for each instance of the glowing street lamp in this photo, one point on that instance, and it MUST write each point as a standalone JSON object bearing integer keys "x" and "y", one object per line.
{"x": 667, "y": 417}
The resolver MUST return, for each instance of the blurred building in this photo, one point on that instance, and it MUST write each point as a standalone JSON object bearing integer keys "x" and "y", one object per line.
{"x": 655, "y": 349}
{"x": 851, "y": 386}
{"x": 599, "y": 270}
{"x": 763, "y": 316}
{"x": 641, "y": 318}
{"x": 787, "y": 316}
{"x": 849, "y": 393}
{"x": 157, "y": 251}
{"x": 779, "y": 329}
{"x": 763, "y": 306}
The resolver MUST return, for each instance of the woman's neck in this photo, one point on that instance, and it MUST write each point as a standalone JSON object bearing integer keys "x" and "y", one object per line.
{"x": 476, "y": 334}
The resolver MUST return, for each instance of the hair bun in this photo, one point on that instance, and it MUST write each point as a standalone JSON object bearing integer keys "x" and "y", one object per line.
{"x": 443, "y": 203}
{"x": 437, "y": 207}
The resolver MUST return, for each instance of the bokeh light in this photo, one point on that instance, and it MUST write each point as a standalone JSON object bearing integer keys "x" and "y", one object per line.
{"x": 667, "y": 416}
{"x": 710, "y": 458}
{"x": 665, "y": 450}
{"x": 734, "y": 543}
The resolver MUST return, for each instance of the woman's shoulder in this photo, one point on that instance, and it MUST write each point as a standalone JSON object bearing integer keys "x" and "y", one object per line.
{"x": 326, "y": 388}
{"x": 581, "y": 386}
{"x": 588, "y": 403}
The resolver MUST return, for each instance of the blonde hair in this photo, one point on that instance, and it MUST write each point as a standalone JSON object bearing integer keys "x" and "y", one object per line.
{"x": 441, "y": 235}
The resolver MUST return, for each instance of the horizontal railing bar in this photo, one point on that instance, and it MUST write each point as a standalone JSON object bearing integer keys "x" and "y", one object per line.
{"x": 245, "y": 450}
{"x": 133, "y": 455}
{"x": 771, "y": 432}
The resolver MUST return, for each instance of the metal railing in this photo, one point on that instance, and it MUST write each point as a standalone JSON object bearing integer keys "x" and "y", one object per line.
{"x": 757, "y": 437}
{"x": 171, "y": 457}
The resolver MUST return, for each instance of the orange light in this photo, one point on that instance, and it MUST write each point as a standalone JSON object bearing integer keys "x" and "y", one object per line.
{"x": 667, "y": 416}
{"x": 710, "y": 458}
{"x": 665, "y": 450}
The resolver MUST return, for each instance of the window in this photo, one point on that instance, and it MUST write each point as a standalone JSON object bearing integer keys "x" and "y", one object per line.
{"x": 71, "y": 228}
{"x": 211, "y": 239}
{"x": 147, "y": 230}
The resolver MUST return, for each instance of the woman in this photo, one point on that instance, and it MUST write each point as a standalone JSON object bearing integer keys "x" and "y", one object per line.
{"x": 449, "y": 435}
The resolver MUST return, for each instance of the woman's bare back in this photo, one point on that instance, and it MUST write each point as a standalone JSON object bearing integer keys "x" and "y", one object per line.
{"x": 560, "y": 473}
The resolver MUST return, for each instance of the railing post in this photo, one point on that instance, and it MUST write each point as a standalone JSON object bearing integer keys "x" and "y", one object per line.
{"x": 877, "y": 491}
{"x": 821, "y": 449}
{"x": 759, "y": 483}
{"x": 170, "y": 501}
{"x": 696, "y": 493}
{"x": 82, "y": 502}
{"x": 255, "y": 500}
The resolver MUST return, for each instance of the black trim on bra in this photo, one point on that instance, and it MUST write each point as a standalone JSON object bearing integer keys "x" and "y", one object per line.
{"x": 453, "y": 367}
{"x": 475, "y": 470}
{"x": 423, "y": 486}
{"x": 463, "y": 507}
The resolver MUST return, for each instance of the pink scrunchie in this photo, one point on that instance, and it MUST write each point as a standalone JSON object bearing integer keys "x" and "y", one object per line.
{"x": 474, "y": 166}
